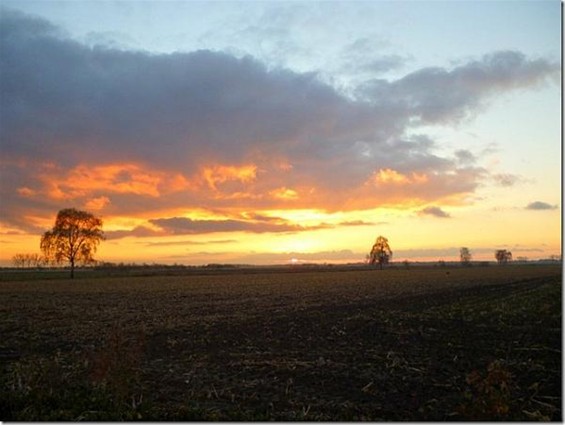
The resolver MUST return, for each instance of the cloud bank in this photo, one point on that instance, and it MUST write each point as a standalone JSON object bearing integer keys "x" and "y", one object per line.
{"x": 134, "y": 133}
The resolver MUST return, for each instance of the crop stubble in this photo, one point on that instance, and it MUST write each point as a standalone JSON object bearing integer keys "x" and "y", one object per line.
{"x": 429, "y": 344}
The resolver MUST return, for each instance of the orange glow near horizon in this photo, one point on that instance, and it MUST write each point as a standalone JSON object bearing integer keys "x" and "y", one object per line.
{"x": 353, "y": 232}
{"x": 243, "y": 214}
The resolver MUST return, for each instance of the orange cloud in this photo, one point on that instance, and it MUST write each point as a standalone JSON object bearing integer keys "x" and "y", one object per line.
{"x": 120, "y": 178}
{"x": 284, "y": 194}
{"x": 97, "y": 203}
{"x": 390, "y": 176}
{"x": 218, "y": 174}
{"x": 26, "y": 192}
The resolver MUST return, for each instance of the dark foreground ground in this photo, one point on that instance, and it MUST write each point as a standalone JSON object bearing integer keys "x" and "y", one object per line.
{"x": 437, "y": 344}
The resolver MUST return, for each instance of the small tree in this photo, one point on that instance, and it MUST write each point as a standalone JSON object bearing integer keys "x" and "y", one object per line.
{"x": 73, "y": 239}
{"x": 465, "y": 256}
{"x": 28, "y": 260}
{"x": 39, "y": 261}
{"x": 381, "y": 252}
{"x": 503, "y": 256}
{"x": 19, "y": 260}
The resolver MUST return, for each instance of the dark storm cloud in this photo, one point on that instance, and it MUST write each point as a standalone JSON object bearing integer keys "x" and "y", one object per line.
{"x": 67, "y": 107}
{"x": 539, "y": 205}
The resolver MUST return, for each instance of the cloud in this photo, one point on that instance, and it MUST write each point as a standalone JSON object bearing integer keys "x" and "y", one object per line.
{"x": 344, "y": 255}
{"x": 465, "y": 157}
{"x": 506, "y": 180}
{"x": 135, "y": 133}
{"x": 434, "y": 211}
{"x": 97, "y": 203}
{"x": 539, "y": 205}
{"x": 189, "y": 243}
{"x": 181, "y": 225}
{"x": 430, "y": 253}
{"x": 359, "y": 58}
{"x": 359, "y": 223}
{"x": 385, "y": 63}
{"x": 440, "y": 96}
{"x": 138, "y": 231}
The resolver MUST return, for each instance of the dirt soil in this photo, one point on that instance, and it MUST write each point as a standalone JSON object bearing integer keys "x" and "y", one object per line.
{"x": 480, "y": 343}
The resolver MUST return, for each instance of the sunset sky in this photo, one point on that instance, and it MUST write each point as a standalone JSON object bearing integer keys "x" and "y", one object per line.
{"x": 275, "y": 131}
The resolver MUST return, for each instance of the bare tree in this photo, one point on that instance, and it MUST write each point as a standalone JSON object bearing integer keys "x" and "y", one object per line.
{"x": 29, "y": 260}
{"x": 73, "y": 239}
{"x": 19, "y": 260}
{"x": 381, "y": 252}
{"x": 465, "y": 256}
{"x": 37, "y": 260}
{"x": 503, "y": 256}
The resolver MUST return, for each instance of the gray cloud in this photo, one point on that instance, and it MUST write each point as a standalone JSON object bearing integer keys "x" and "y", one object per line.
{"x": 434, "y": 211}
{"x": 465, "y": 157}
{"x": 362, "y": 57}
{"x": 539, "y": 205}
{"x": 67, "y": 106}
{"x": 252, "y": 223}
{"x": 437, "y": 95}
{"x": 505, "y": 179}
{"x": 189, "y": 243}
{"x": 358, "y": 223}
{"x": 139, "y": 231}
{"x": 182, "y": 225}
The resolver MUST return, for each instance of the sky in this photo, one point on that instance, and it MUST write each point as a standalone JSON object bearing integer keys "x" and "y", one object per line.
{"x": 269, "y": 132}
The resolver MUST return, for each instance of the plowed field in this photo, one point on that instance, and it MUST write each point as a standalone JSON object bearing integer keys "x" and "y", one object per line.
{"x": 419, "y": 344}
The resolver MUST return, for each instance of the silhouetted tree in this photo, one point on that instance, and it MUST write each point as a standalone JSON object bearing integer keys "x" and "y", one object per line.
{"x": 503, "y": 256}
{"x": 19, "y": 260}
{"x": 465, "y": 256}
{"x": 28, "y": 260}
{"x": 74, "y": 238}
{"x": 381, "y": 252}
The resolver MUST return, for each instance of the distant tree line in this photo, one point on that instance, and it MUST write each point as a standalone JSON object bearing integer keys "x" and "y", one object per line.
{"x": 29, "y": 260}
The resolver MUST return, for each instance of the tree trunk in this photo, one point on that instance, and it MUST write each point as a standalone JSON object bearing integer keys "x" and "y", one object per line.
{"x": 72, "y": 269}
